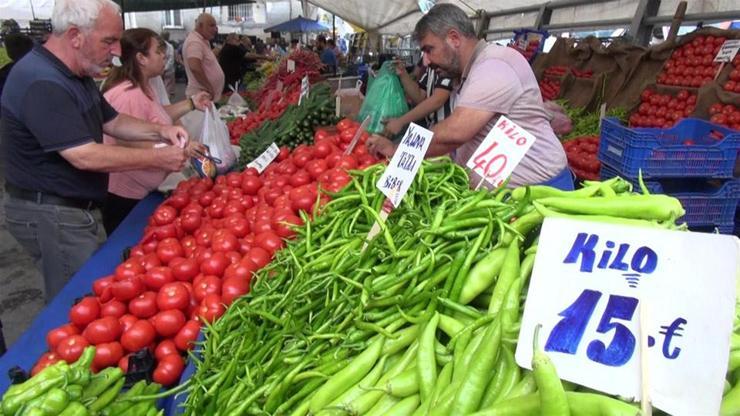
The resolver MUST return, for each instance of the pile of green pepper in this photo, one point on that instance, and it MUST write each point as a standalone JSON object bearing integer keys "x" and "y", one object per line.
{"x": 422, "y": 319}
{"x": 72, "y": 390}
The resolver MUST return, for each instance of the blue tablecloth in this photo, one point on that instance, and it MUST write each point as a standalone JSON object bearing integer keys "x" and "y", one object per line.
{"x": 32, "y": 343}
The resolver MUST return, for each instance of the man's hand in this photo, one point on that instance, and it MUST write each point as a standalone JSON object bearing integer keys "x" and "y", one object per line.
{"x": 392, "y": 126}
{"x": 202, "y": 100}
{"x": 172, "y": 158}
{"x": 193, "y": 147}
{"x": 176, "y": 135}
{"x": 400, "y": 67}
{"x": 380, "y": 146}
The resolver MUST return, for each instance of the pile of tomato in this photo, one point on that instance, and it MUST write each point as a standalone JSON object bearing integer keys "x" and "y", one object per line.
{"x": 198, "y": 253}
{"x": 662, "y": 110}
{"x": 582, "y": 153}
{"x": 733, "y": 84}
{"x": 727, "y": 115}
{"x": 270, "y": 109}
{"x": 692, "y": 65}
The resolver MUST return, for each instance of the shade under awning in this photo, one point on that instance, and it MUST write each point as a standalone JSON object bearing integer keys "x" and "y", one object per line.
{"x": 154, "y": 5}
{"x": 300, "y": 25}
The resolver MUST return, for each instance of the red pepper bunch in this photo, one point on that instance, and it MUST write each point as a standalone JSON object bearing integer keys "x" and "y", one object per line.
{"x": 550, "y": 89}
{"x": 269, "y": 109}
{"x": 692, "y": 65}
{"x": 198, "y": 253}
{"x": 662, "y": 110}
{"x": 582, "y": 153}
{"x": 306, "y": 63}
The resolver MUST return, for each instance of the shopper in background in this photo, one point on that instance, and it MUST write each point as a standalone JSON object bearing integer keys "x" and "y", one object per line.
{"x": 231, "y": 59}
{"x": 52, "y": 127}
{"x": 17, "y": 45}
{"x": 430, "y": 94}
{"x": 169, "y": 65}
{"x": 128, "y": 90}
{"x": 494, "y": 81}
{"x": 201, "y": 65}
{"x": 327, "y": 55}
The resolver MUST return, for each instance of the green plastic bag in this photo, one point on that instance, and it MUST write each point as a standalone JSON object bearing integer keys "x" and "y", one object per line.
{"x": 384, "y": 99}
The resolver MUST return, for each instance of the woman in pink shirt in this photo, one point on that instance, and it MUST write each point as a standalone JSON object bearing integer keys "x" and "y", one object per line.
{"x": 128, "y": 90}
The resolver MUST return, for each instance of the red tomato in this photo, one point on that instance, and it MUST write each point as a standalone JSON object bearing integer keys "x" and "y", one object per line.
{"x": 168, "y": 323}
{"x": 157, "y": 277}
{"x": 224, "y": 240}
{"x": 259, "y": 256}
{"x": 251, "y": 184}
{"x": 206, "y": 285}
{"x": 56, "y": 335}
{"x": 191, "y": 221}
{"x": 168, "y": 249}
{"x": 301, "y": 158}
{"x": 316, "y": 167}
{"x": 127, "y": 289}
{"x": 211, "y": 308}
{"x": 322, "y": 149}
{"x": 128, "y": 268}
{"x": 299, "y": 178}
{"x": 127, "y": 321}
{"x": 168, "y": 370}
{"x": 178, "y": 200}
{"x": 214, "y": 265}
{"x": 144, "y": 306}
{"x": 107, "y": 354}
{"x": 139, "y": 336}
{"x": 164, "y": 214}
{"x": 187, "y": 335}
{"x": 283, "y": 154}
{"x": 237, "y": 225}
{"x": 269, "y": 241}
{"x": 100, "y": 285}
{"x": 173, "y": 296}
{"x": 46, "y": 360}
{"x": 85, "y": 311}
{"x": 70, "y": 348}
{"x": 165, "y": 347}
{"x": 284, "y": 227}
{"x": 233, "y": 288}
{"x": 344, "y": 124}
{"x": 184, "y": 270}
{"x": 114, "y": 308}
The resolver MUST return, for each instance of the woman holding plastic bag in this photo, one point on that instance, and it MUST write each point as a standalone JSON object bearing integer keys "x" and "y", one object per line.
{"x": 128, "y": 90}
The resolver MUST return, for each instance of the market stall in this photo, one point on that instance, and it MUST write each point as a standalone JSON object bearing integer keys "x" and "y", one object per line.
{"x": 313, "y": 278}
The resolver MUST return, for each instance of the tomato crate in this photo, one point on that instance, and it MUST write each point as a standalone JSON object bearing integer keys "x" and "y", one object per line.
{"x": 529, "y": 42}
{"x": 708, "y": 203}
{"x": 692, "y": 148}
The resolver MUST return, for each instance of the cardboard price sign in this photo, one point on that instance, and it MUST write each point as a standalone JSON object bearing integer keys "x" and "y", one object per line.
{"x": 401, "y": 171}
{"x": 586, "y": 287}
{"x": 305, "y": 87}
{"x": 265, "y": 158}
{"x": 291, "y": 65}
{"x": 501, "y": 151}
{"x": 728, "y": 51}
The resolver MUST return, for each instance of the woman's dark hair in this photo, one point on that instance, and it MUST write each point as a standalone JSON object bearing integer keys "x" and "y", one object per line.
{"x": 133, "y": 41}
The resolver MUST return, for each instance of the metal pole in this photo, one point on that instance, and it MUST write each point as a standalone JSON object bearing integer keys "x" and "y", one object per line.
{"x": 334, "y": 27}
{"x": 33, "y": 13}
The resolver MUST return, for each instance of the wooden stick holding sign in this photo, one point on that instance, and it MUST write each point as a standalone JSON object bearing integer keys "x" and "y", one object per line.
{"x": 500, "y": 152}
{"x": 400, "y": 173}
{"x": 363, "y": 128}
{"x": 647, "y": 409}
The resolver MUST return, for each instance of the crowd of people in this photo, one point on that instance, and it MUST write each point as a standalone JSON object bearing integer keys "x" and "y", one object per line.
{"x": 72, "y": 151}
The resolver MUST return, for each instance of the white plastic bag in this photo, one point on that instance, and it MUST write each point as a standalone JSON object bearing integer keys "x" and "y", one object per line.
{"x": 215, "y": 135}
{"x": 236, "y": 99}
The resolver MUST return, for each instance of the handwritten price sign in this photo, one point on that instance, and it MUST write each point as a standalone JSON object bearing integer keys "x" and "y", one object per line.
{"x": 728, "y": 51}
{"x": 501, "y": 151}
{"x": 587, "y": 284}
{"x": 265, "y": 158}
{"x": 305, "y": 85}
{"x": 401, "y": 171}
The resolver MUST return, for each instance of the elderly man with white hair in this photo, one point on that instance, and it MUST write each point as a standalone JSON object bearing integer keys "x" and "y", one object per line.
{"x": 201, "y": 65}
{"x": 53, "y": 122}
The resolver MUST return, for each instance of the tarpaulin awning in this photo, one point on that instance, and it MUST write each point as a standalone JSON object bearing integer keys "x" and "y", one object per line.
{"x": 154, "y": 5}
{"x": 299, "y": 24}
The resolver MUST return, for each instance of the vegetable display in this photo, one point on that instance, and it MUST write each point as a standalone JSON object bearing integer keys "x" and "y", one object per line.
{"x": 662, "y": 110}
{"x": 733, "y": 83}
{"x": 268, "y": 110}
{"x": 73, "y": 390}
{"x": 692, "y": 64}
{"x": 582, "y": 153}
{"x": 726, "y": 115}
{"x": 422, "y": 319}
{"x": 294, "y": 127}
{"x": 587, "y": 123}
{"x": 550, "y": 88}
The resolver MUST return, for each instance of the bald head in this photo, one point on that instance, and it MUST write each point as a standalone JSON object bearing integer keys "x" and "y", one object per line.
{"x": 206, "y": 25}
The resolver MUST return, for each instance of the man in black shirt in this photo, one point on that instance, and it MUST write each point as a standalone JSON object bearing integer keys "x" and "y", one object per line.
{"x": 17, "y": 45}
{"x": 53, "y": 119}
{"x": 230, "y": 58}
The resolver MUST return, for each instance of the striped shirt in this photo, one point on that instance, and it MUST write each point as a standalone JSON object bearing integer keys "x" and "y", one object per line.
{"x": 429, "y": 81}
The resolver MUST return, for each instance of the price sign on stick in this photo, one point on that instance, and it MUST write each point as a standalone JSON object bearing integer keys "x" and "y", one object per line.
{"x": 500, "y": 152}
{"x": 291, "y": 65}
{"x": 305, "y": 86}
{"x": 400, "y": 173}
{"x": 728, "y": 51}
{"x": 587, "y": 289}
{"x": 265, "y": 158}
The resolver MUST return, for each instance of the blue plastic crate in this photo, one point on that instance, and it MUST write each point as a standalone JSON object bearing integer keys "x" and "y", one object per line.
{"x": 527, "y": 34}
{"x": 660, "y": 153}
{"x": 705, "y": 205}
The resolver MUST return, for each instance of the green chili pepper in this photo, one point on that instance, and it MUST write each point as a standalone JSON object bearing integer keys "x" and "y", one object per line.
{"x": 75, "y": 409}
{"x": 405, "y": 407}
{"x": 552, "y": 395}
{"x": 644, "y": 207}
{"x": 476, "y": 378}
{"x": 482, "y": 275}
{"x": 100, "y": 382}
{"x": 509, "y": 272}
{"x": 105, "y": 398}
{"x": 74, "y": 391}
{"x": 50, "y": 377}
